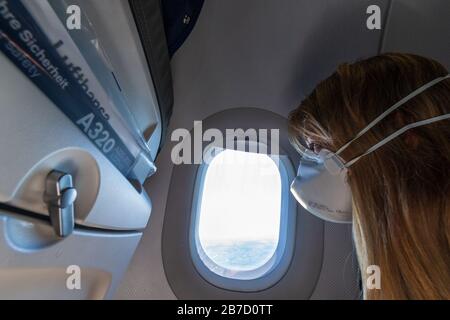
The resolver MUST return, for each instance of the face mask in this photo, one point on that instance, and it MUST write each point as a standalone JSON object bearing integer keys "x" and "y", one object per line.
{"x": 321, "y": 183}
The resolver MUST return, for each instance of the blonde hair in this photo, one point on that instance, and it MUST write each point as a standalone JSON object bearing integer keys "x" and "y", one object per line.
{"x": 401, "y": 192}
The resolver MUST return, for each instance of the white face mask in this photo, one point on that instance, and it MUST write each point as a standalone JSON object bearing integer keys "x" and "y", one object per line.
{"x": 321, "y": 186}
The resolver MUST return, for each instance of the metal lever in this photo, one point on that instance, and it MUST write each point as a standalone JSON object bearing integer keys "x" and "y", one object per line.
{"x": 60, "y": 196}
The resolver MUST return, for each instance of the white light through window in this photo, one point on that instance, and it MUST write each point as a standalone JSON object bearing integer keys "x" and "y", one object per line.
{"x": 239, "y": 213}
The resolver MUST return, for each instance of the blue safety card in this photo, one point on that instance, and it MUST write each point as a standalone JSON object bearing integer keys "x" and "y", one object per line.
{"x": 24, "y": 43}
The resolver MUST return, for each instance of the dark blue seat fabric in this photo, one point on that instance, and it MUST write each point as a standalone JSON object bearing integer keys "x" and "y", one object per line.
{"x": 179, "y": 20}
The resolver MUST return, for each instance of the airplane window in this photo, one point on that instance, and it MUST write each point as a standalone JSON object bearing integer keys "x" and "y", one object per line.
{"x": 239, "y": 213}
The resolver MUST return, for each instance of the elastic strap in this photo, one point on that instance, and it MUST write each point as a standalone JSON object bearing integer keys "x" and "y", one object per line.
{"x": 396, "y": 134}
{"x": 395, "y": 106}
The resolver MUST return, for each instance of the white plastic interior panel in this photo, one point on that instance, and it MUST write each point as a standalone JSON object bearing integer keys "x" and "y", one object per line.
{"x": 36, "y": 138}
{"x": 420, "y": 27}
{"x": 34, "y": 263}
{"x": 339, "y": 278}
{"x": 264, "y": 54}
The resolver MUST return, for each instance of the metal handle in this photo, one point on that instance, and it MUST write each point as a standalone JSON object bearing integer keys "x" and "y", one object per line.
{"x": 60, "y": 196}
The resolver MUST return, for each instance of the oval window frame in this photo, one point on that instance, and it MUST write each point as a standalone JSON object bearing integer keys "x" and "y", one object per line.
{"x": 274, "y": 269}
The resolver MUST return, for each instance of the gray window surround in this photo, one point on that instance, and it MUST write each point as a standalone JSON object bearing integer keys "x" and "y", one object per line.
{"x": 303, "y": 271}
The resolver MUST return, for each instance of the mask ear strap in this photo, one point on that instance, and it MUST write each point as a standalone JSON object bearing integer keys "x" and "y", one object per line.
{"x": 395, "y": 106}
{"x": 396, "y": 134}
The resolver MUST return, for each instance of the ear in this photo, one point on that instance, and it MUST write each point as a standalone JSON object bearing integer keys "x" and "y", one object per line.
{"x": 316, "y": 148}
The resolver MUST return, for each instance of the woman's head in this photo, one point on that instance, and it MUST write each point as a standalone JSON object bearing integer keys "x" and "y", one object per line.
{"x": 401, "y": 192}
